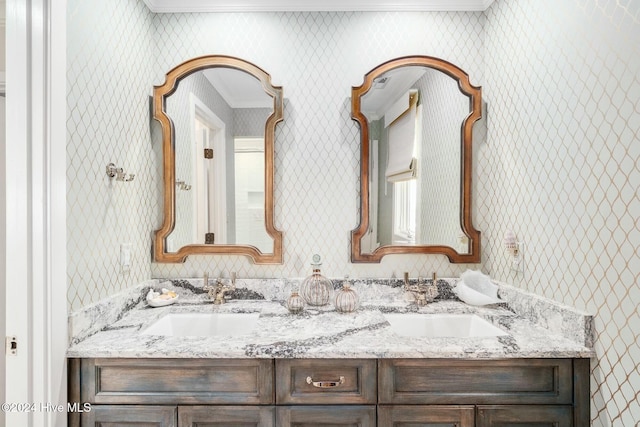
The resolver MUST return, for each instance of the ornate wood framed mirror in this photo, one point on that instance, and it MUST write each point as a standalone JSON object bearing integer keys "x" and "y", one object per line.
{"x": 218, "y": 116}
{"x": 416, "y": 117}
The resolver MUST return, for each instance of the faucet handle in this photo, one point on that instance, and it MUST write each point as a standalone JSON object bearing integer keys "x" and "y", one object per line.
{"x": 432, "y": 288}
{"x": 205, "y": 283}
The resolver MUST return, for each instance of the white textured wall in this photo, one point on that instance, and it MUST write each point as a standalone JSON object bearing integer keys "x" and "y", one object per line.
{"x": 109, "y": 60}
{"x": 562, "y": 168}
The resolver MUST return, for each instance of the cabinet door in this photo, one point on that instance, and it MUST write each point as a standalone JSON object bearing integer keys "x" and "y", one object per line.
{"x": 524, "y": 416}
{"x": 219, "y": 416}
{"x": 326, "y": 416}
{"x": 425, "y": 416}
{"x": 130, "y": 416}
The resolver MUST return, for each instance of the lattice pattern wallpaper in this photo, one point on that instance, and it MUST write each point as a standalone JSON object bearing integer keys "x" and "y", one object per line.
{"x": 562, "y": 169}
{"x": 561, "y": 164}
{"x": 109, "y": 58}
{"x": 444, "y": 109}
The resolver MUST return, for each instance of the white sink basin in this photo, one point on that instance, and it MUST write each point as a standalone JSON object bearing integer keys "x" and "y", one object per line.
{"x": 441, "y": 325}
{"x": 204, "y": 324}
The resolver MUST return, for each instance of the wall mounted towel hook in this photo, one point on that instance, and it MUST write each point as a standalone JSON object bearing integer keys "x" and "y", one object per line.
{"x": 118, "y": 173}
{"x": 183, "y": 185}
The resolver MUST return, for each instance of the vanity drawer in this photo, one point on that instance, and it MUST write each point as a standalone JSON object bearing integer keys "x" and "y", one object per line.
{"x": 446, "y": 381}
{"x": 326, "y": 416}
{"x": 323, "y": 381}
{"x": 177, "y": 381}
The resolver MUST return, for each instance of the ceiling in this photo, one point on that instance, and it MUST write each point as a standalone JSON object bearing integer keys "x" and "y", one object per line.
{"x": 396, "y": 83}
{"x": 176, "y": 6}
{"x": 239, "y": 89}
{"x": 246, "y": 95}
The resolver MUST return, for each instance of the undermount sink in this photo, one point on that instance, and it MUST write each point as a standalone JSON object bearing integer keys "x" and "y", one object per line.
{"x": 204, "y": 324}
{"x": 441, "y": 325}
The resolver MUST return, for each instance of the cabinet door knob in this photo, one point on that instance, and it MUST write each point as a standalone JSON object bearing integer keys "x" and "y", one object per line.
{"x": 325, "y": 384}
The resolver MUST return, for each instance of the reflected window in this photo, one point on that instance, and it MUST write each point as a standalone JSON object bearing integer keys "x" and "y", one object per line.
{"x": 404, "y": 135}
{"x": 404, "y": 212}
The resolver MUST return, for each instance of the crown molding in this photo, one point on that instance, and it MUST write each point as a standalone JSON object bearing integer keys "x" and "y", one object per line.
{"x": 184, "y": 6}
{"x": 487, "y": 4}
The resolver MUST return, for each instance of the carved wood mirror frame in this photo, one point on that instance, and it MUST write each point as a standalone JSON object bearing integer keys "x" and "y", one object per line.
{"x": 475, "y": 107}
{"x": 160, "y": 93}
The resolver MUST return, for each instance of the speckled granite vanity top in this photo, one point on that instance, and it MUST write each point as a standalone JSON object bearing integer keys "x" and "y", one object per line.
{"x": 534, "y": 326}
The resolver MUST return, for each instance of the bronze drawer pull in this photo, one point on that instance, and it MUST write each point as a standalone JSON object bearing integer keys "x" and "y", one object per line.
{"x": 325, "y": 384}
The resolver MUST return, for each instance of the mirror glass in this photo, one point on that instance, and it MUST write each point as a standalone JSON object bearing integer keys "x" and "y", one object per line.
{"x": 415, "y": 113}
{"x": 220, "y": 114}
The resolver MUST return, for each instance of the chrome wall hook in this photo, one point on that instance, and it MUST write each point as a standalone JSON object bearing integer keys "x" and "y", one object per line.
{"x": 118, "y": 173}
{"x": 183, "y": 185}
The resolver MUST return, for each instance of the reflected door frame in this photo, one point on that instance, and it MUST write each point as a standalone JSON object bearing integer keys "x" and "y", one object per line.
{"x": 208, "y": 219}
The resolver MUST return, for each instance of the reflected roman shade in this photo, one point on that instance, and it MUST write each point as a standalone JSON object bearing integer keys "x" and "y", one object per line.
{"x": 400, "y": 121}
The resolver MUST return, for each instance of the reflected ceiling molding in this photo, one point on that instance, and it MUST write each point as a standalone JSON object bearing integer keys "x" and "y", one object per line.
{"x": 183, "y": 6}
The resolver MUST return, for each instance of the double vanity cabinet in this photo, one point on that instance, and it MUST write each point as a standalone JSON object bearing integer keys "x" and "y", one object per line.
{"x": 323, "y": 368}
{"x": 330, "y": 392}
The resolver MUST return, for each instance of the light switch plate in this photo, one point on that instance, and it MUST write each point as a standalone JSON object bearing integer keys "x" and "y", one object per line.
{"x": 125, "y": 256}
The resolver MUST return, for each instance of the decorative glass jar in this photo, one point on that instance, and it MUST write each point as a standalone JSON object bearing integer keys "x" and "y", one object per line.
{"x": 295, "y": 303}
{"x": 316, "y": 289}
{"x": 346, "y": 299}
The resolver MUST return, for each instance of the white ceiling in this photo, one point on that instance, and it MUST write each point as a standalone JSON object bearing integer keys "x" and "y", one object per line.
{"x": 239, "y": 89}
{"x": 175, "y": 6}
{"x": 399, "y": 80}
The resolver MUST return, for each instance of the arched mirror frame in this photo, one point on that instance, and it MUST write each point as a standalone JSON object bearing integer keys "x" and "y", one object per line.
{"x": 474, "y": 94}
{"x": 160, "y": 94}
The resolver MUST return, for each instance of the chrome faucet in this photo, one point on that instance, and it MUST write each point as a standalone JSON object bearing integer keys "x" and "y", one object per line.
{"x": 217, "y": 292}
{"x": 423, "y": 293}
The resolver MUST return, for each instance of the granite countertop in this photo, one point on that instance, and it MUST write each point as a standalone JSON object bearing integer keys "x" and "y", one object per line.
{"x": 115, "y": 328}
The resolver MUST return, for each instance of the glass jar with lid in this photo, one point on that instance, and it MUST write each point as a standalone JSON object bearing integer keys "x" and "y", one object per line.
{"x": 316, "y": 289}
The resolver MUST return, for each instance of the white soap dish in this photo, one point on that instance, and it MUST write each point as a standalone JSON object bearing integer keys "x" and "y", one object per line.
{"x": 157, "y": 299}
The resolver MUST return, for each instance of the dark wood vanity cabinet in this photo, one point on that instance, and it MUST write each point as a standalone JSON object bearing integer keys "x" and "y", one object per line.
{"x": 331, "y": 392}
{"x": 525, "y": 416}
{"x": 326, "y": 416}
{"x": 493, "y": 393}
{"x": 326, "y": 392}
{"x": 225, "y": 416}
{"x": 126, "y": 416}
{"x": 172, "y": 392}
{"x": 426, "y": 416}
{"x": 173, "y": 416}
